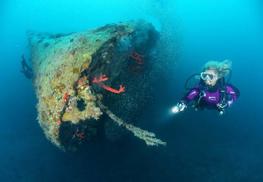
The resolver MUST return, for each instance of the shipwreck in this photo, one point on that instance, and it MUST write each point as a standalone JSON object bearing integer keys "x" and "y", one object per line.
{"x": 94, "y": 79}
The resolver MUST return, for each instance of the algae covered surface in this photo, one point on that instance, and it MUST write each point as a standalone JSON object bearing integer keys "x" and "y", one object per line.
{"x": 77, "y": 74}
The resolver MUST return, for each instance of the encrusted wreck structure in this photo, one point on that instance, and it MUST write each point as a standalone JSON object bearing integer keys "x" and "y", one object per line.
{"x": 93, "y": 79}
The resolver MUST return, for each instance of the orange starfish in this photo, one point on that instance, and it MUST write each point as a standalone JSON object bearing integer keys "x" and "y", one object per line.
{"x": 103, "y": 78}
{"x": 66, "y": 97}
{"x": 138, "y": 58}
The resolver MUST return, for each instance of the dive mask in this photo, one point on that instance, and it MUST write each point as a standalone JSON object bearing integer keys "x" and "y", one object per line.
{"x": 207, "y": 76}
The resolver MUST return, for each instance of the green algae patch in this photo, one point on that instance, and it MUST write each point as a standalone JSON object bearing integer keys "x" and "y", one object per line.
{"x": 77, "y": 74}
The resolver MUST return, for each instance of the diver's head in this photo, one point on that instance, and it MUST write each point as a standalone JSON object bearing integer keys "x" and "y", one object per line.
{"x": 215, "y": 70}
{"x": 210, "y": 77}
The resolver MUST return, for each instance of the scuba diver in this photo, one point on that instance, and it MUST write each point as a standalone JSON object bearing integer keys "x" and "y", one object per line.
{"x": 212, "y": 91}
{"x": 26, "y": 69}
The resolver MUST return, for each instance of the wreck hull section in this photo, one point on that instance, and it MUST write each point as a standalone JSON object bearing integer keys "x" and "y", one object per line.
{"x": 64, "y": 70}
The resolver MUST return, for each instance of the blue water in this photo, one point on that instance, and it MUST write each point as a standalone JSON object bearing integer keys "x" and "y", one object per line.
{"x": 202, "y": 147}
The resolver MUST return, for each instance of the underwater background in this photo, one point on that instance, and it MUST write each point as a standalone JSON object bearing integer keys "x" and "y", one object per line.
{"x": 202, "y": 146}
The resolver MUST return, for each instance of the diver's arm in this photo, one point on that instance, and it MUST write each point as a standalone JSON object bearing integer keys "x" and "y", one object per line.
{"x": 231, "y": 95}
{"x": 188, "y": 98}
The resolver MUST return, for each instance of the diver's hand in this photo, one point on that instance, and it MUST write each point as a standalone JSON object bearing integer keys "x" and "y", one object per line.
{"x": 179, "y": 107}
{"x": 221, "y": 105}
